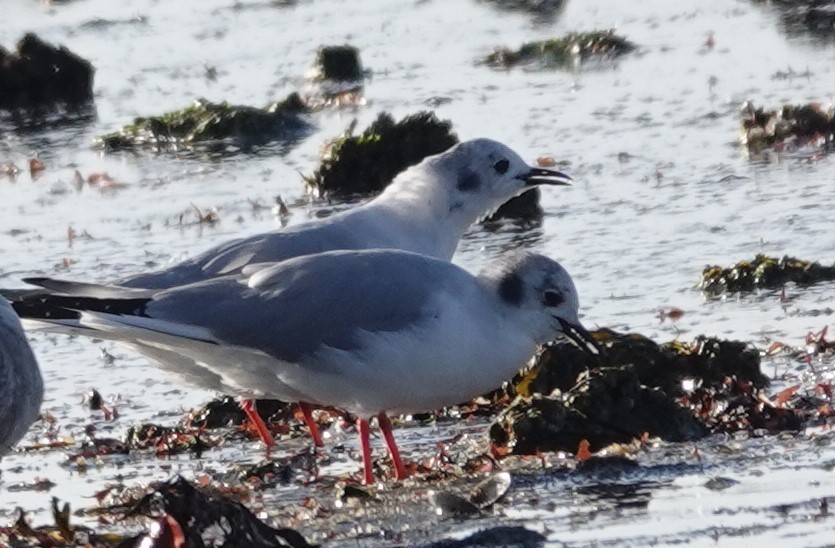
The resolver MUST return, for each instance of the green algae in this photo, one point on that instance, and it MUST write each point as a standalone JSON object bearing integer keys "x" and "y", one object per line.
{"x": 564, "y": 52}
{"x": 207, "y": 122}
{"x": 763, "y": 272}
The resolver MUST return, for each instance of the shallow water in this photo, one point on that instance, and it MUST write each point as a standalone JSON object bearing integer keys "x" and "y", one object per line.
{"x": 635, "y": 235}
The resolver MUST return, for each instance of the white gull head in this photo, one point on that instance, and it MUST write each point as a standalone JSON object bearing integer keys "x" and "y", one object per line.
{"x": 540, "y": 294}
{"x": 469, "y": 180}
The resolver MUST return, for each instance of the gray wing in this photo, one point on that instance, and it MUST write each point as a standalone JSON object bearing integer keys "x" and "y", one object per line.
{"x": 293, "y": 308}
{"x": 343, "y": 231}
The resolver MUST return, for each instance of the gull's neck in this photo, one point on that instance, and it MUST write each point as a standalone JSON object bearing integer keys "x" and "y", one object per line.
{"x": 418, "y": 204}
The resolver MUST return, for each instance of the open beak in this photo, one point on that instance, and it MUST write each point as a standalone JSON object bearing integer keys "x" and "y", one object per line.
{"x": 542, "y": 176}
{"x": 579, "y": 336}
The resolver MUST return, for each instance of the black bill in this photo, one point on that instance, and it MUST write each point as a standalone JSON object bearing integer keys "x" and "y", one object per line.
{"x": 542, "y": 176}
{"x": 577, "y": 334}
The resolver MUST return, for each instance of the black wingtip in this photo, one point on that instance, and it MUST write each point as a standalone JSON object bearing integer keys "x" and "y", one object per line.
{"x": 36, "y": 309}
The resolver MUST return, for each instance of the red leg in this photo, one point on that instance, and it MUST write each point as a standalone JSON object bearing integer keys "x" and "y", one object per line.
{"x": 365, "y": 447}
{"x": 249, "y": 408}
{"x": 385, "y": 426}
{"x": 307, "y": 411}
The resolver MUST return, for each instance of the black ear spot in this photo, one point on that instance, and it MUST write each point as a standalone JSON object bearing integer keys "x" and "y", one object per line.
{"x": 553, "y": 298}
{"x": 511, "y": 290}
{"x": 468, "y": 181}
{"x": 501, "y": 166}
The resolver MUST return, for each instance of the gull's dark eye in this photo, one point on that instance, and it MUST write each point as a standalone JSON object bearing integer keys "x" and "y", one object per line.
{"x": 501, "y": 166}
{"x": 553, "y": 298}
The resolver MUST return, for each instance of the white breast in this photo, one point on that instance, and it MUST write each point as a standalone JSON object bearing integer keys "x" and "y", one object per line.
{"x": 461, "y": 353}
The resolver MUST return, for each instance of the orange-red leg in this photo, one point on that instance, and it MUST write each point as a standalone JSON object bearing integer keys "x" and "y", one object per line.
{"x": 307, "y": 412}
{"x": 365, "y": 448}
{"x": 385, "y": 426}
{"x": 263, "y": 432}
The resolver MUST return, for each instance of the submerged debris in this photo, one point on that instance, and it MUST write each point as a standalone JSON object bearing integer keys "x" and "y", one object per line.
{"x": 790, "y": 127}
{"x": 565, "y": 52}
{"x": 763, "y": 273}
{"x": 38, "y": 77}
{"x": 214, "y": 123}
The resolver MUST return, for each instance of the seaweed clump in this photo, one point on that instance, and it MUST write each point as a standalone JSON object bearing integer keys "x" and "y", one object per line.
{"x": 763, "y": 273}
{"x": 226, "y": 411}
{"x": 62, "y": 533}
{"x": 789, "y": 127}
{"x": 208, "y": 123}
{"x": 39, "y": 77}
{"x": 565, "y": 52}
{"x": 201, "y": 517}
{"x": 634, "y": 389}
{"x": 365, "y": 164}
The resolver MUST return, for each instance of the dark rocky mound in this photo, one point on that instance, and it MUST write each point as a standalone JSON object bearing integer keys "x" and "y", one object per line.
{"x": 635, "y": 388}
{"x": 38, "y": 78}
{"x": 565, "y": 52}
{"x": 338, "y": 64}
{"x": 763, "y": 273}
